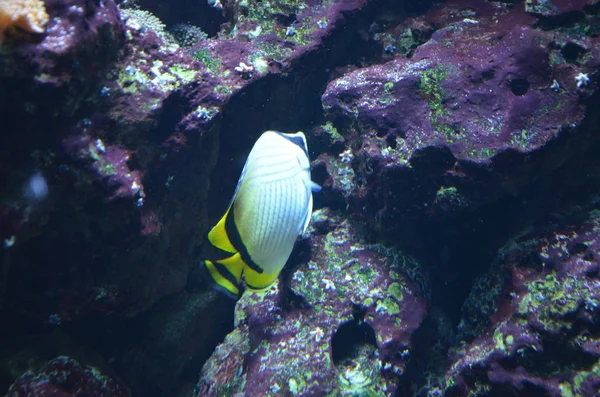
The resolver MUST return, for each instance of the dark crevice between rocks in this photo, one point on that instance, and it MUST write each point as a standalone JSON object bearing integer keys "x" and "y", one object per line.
{"x": 424, "y": 374}
{"x": 286, "y": 102}
{"x": 457, "y": 247}
{"x": 355, "y": 355}
{"x": 572, "y": 51}
{"x": 567, "y": 19}
{"x": 159, "y": 350}
{"x": 351, "y": 338}
{"x": 288, "y": 299}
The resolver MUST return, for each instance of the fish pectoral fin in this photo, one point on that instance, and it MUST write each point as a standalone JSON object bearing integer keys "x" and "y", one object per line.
{"x": 226, "y": 274}
{"x": 218, "y": 235}
{"x": 315, "y": 187}
{"x": 255, "y": 280}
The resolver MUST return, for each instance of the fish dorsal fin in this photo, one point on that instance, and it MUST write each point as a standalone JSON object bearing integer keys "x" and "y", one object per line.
{"x": 218, "y": 235}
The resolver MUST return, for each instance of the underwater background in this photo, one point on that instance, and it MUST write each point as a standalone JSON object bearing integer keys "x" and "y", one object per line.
{"x": 454, "y": 249}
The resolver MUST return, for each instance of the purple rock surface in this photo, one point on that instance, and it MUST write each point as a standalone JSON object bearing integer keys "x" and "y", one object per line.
{"x": 342, "y": 323}
{"x": 542, "y": 339}
{"x": 65, "y": 377}
{"x": 438, "y": 129}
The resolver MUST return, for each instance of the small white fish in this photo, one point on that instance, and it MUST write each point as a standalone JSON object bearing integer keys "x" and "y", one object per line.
{"x": 271, "y": 206}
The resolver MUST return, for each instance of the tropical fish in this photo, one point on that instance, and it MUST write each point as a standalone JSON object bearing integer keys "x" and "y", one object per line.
{"x": 271, "y": 206}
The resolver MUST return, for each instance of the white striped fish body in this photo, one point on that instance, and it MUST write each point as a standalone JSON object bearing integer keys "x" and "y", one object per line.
{"x": 271, "y": 206}
{"x": 273, "y": 202}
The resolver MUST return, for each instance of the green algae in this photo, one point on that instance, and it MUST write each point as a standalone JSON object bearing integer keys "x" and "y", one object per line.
{"x": 573, "y": 389}
{"x": 333, "y": 132}
{"x": 431, "y": 89}
{"x": 184, "y": 74}
{"x": 388, "y": 305}
{"x": 387, "y": 95}
{"x": 551, "y": 299}
{"x": 502, "y": 341}
{"x": 203, "y": 55}
{"x": 395, "y": 290}
{"x": 521, "y": 139}
{"x": 446, "y": 193}
{"x": 223, "y": 89}
{"x": 143, "y": 75}
{"x": 482, "y": 153}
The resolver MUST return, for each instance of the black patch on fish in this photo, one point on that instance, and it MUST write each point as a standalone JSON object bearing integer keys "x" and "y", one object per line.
{"x": 213, "y": 283}
{"x": 259, "y": 288}
{"x": 236, "y": 240}
{"x": 222, "y": 269}
{"x": 296, "y": 140}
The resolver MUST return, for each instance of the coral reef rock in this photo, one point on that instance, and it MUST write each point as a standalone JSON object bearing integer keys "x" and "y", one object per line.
{"x": 542, "y": 337}
{"x": 341, "y": 322}
{"x": 65, "y": 377}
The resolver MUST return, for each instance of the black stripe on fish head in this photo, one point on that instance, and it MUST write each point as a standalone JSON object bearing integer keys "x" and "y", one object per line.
{"x": 297, "y": 139}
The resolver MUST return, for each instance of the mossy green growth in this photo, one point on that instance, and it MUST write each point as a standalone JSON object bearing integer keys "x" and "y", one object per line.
{"x": 301, "y": 32}
{"x": 446, "y": 193}
{"x": 277, "y": 52}
{"x": 203, "y": 55}
{"x": 404, "y": 43}
{"x": 566, "y": 390}
{"x": 450, "y": 197}
{"x": 184, "y": 74}
{"x": 503, "y": 342}
{"x": 482, "y": 153}
{"x": 135, "y": 77}
{"x": 431, "y": 89}
{"x": 263, "y": 12}
{"x": 260, "y": 63}
{"x": 395, "y": 290}
{"x": 521, "y": 138}
{"x": 333, "y": 133}
{"x": 223, "y": 89}
{"x": 389, "y": 306}
{"x": 551, "y": 300}
{"x": 364, "y": 273}
{"x": 387, "y": 95}
{"x": 583, "y": 375}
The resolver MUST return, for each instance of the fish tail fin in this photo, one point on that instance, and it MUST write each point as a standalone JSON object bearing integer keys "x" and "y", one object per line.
{"x": 255, "y": 280}
{"x": 226, "y": 274}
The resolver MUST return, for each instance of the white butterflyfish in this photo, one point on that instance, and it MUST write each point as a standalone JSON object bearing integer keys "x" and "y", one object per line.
{"x": 271, "y": 206}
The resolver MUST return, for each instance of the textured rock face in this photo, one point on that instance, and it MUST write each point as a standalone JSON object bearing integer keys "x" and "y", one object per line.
{"x": 444, "y": 130}
{"x": 127, "y": 143}
{"x": 542, "y": 339}
{"x": 109, "y": 139}
{"x": 97, "y": 145}
{"x": 477, "y": 88}
{"x": 341, "y": 322}
{"x": 65, "y": 377}
{"x": 473, "y": 87}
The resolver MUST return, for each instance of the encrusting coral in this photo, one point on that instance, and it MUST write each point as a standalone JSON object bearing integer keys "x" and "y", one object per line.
{"x": 29, "y": 15}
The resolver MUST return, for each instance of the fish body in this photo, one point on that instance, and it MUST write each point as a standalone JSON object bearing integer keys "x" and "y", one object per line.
{"x": 271, "y": 206}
